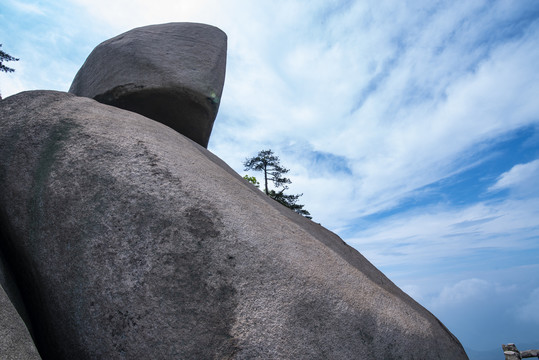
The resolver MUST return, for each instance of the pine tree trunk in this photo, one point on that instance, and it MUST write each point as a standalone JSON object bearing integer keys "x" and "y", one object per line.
{"x": 266, "y": 179}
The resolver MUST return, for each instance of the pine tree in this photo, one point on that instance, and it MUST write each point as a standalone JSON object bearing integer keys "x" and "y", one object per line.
{"x": 270, "y": 164}
{"x": 290, "y": 201}
{"x": 4, "y": 57}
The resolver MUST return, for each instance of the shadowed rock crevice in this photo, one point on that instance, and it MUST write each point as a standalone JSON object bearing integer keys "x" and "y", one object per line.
{"x": 15, "y": 340}
{"x": 168, "y": 106}
{"x": 16, "y": 332}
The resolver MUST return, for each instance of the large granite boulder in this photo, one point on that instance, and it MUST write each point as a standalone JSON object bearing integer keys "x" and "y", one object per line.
{"x": 130, "y": 241}
{"x": 172, "y": 73}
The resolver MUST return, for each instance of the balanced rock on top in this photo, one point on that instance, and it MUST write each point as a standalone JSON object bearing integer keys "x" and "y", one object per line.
{"x": 172, "y": 73}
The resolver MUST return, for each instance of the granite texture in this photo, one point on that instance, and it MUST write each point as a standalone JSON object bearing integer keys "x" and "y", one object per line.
{"x": 132, "y": 241}
{"x": 15, "y": 340}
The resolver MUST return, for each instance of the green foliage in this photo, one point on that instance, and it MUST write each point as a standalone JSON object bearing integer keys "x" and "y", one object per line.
{"x": 4, "y": 57}
{"x": 252, "y": 180}
{"x": 270, "y": 164}
{"x": 290, "y": 201}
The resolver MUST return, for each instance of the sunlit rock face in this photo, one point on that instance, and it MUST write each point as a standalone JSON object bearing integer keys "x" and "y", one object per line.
{"x": 172, "y": 73}
{"x": 130, "y": 241}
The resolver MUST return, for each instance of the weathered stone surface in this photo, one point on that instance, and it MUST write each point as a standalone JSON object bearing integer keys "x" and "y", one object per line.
{"x": 15, "y": 340}
{"x": 135, "y": 242}
{"x": 172, "y": 73}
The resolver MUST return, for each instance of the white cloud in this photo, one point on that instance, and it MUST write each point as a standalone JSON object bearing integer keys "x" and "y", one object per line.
{"x": 438, "y": 233}
{"x": 27, "y": 7}
{"x": 522, "y": 179}
{"x": 426, "y": 141}
{"x": 51, "y": 39}
{"x": 10, "y": 86}
{"x": 529, "y": 311}
{"x": 463, "y": 291}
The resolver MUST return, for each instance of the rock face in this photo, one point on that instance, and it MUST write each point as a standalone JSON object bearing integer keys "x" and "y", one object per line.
{"x": 15, "y": 340}
{"x": 130, "y": 241}
{"x": 172, "y": 73}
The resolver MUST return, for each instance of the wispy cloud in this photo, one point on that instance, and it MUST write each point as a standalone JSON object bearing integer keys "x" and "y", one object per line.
{"x": 437, "y": 234}
{"x": 522, "y": 179}
{"x": 52, "y": 39}
{"x": 27, "y": 7}
{"x": 529, "y": 310}
{"x": 401, "y": 106}
{"x": 463, "y": 291}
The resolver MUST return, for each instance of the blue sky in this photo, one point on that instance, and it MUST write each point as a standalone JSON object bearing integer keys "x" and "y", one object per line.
{"x": 411, "y": 128}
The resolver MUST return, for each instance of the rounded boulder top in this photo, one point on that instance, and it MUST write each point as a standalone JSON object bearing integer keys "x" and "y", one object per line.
{"x": 172, "y": 73}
